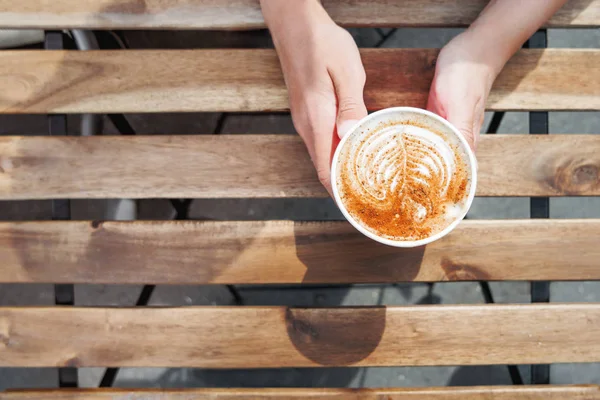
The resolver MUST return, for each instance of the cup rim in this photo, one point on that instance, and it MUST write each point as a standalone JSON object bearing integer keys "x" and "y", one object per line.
{"x": 404, "y": 243}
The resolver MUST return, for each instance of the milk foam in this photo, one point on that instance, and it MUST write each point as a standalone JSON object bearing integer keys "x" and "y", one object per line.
{"x": 401, "y": 161}
{"x": 403, "y": 175}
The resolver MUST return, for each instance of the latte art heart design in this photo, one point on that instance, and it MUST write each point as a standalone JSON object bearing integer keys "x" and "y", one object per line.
{"x": 403, "y": 180}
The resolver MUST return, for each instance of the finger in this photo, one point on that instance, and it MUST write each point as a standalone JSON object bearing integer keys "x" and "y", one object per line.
{"x": 351, "y": 109}
{"x": 321, "y": 158}
{"x": 349, "y": 83}
{"x": 433, "y": 103}
{"x": 460, "y": 117}
{"x": 326, "y": 142}
{"x": 468, "y": 118}
{"x": 463, "y": 119}
{"x": 315, "y": 121}
{"x": 477, "y": 125}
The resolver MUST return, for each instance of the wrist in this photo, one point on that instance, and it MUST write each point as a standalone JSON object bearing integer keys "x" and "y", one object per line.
{"x": 283, "y": 15}
{"x": 484, "y": 48}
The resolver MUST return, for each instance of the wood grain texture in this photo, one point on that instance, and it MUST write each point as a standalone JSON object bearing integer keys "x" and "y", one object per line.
{"x": 246, "y": 14}
{"x": 251, "y": 80}
{"x": 558, "y": 165}
{"x": 590, "y": 392}
{"x": 291, "y": 252}
{"x": 157, "y": 166}
{"x": 280, "y": 337}
{"x": 235, "y": 166}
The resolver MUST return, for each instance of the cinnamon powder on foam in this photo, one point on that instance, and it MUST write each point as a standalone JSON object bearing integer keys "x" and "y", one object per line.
{"x": 387, "y": 220}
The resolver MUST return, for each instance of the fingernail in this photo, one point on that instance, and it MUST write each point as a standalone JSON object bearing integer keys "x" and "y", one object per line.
{"x": 346, "y": 126}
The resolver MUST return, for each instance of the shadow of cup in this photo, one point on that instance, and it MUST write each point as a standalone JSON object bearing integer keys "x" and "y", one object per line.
{"x": 335, "y": 252}
{"x": 338, "y": 337}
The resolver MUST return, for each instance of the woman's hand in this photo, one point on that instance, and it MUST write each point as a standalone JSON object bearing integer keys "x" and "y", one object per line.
{"x": 468, "y": 65}
{"x": 324, "y": 75}
{"x": 461, "y": 86}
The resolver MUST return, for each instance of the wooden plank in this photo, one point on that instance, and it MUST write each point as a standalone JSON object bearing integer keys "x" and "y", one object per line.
{"x": 156, "y": 166}
{"x": 590, "y": 392}
{"x": 245, "y": 14}
{"x": 558, "y": 165}
{"x": 112, "y": 81}
{"x": 281, "y": 337}
{"x": 236, "y": 166}
{"x": 268, "y": 252}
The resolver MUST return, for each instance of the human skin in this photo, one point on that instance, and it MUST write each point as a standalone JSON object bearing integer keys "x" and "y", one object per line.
{"x": 468, "y": 65}
{"x": 325, "y": 77}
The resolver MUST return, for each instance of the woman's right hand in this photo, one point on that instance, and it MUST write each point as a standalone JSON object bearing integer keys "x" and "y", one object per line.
{"x": 324, "y": 75}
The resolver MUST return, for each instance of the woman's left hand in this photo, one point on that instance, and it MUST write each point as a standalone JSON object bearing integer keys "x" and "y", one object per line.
{"x": 461, "y": 85}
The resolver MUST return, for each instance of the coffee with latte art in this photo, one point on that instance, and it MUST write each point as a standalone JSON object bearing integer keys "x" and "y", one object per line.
{"x": 404, "y": 177}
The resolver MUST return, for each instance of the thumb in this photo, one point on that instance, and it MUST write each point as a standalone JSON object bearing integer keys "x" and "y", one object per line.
{"x": 351, "y": 104}
{"x": 464, "y": 121}
{"x": 350, "y": 111}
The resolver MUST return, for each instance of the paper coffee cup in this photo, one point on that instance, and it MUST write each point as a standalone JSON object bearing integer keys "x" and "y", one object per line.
{"x": 404, "y": 176}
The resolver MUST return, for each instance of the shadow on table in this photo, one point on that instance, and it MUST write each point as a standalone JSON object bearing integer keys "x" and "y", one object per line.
{"x": 338, "y": 253}
{"x": 55, "y": 89}
{"x": 309, "y": 377}
{"x": 485, "y": 375}
{"x": 290, "y": 377}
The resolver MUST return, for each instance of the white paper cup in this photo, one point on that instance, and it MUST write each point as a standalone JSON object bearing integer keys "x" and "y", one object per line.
{"x": 423, "y": 116}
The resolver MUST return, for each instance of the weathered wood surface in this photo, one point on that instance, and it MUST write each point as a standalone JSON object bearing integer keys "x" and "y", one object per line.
{"x": 450, "y": 393}
{"x": 113, "y": 81}
{"x": 291, "y": 252}
{"x": 278, "y": 337}
{"x": 246, "y": 14}
{"x": 258, "y": 166}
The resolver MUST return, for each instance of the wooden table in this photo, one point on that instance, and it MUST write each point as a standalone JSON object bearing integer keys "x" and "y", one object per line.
{"x": 169, "y": 166}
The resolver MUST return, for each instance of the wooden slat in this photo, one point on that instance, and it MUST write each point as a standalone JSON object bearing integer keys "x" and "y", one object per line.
{"x": 251, "y": 80}
{"x": 558, "y": 165}
{"x": 235, "y": 166}
{"x": 291, "y": 252}
{"x": 280, "y": 337}
{"x": 245, "y": 14}
{"x": 454, "y": 393}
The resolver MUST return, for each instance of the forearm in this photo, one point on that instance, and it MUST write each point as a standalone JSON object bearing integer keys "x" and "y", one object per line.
{"x": 504, "y": 25}
{"x": 293, "y": 24}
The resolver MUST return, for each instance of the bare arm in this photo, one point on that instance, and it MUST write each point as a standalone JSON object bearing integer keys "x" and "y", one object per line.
{"x": 469, "y": 64}
{"x": 323, "y": 73}
{"x": 505, "y": 25}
